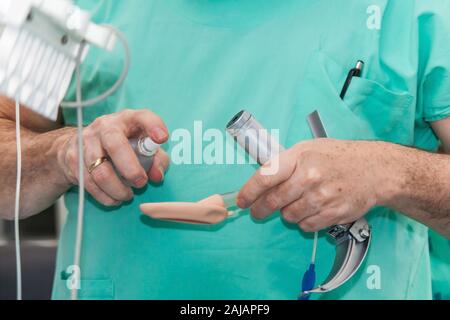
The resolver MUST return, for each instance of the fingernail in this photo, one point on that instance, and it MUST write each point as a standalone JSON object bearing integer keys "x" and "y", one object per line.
{"x": 241, "y": 203}
{"x": 140, "y": 182}
{"x": 159, "y": 134}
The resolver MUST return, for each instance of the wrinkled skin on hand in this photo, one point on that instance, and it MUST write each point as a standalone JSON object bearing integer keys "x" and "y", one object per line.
{"x": 321, "y": 183}
{"x": 111, "y": 183}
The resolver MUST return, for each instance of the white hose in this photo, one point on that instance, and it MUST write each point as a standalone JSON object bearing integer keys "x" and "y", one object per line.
{"x": 115, "y": 86}
{"x": 314, "y": 251}
{"x": 79, "y": 104}
{"x": 17, "y": 204}
{"x": 79, "y": 231}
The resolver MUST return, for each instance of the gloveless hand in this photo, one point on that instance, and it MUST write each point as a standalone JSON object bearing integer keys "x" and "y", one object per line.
{"x": 321, "y": 183}
{"x": 108, "y": 136}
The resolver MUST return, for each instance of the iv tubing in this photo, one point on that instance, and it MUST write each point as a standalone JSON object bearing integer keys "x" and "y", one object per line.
{"x": 17, "y": 204}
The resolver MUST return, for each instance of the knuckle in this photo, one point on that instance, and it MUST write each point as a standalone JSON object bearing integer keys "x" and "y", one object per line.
{"x": 312, "y": 202}
{"x": 299, "y": 147}
{"x": 90, "y": 188}
{"x": 263, "y": 181}
{"x": 316, "y": 199}
{"x": 124, "y": 194}
{"x": 101, "y": 174}
{"x": 109, "y": 133}
{"x": 99, "y": 122}
{"x": 109, "y": 202}
{"x": 325, "y": 192}
{"x": 144, "y": 113}
{"x": 343, "y": 210}
{"x": 271, "y": 202}
{"x": 285, "y": 212}
{"x": 88, "y": 140}
{"x": 157, "y": 118}
{"x": 72, "y": 158}
{"x": 244, "y": 195}
{"x": 129, "y": 195}
{"x": 133, "y": 174}
{"x": 313, "y": 175}
{"x": 255, "y": 214}
{"x": 97, "y": 195}
{"x": 303, "y": 150}
{"x": 307, "y": 226}
{"x": 111, "y": 139}
{"x": 127, "y": 112}
{"x": 88, "y": 133}
{"x": 329, "y": 215}
{"x": 289, "y": 216}
{"x": 296, "y": 207}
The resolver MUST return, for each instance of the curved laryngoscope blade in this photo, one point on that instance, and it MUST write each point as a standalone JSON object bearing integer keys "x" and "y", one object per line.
{"x": 352, "y": 240}
{"x": 352, "y": 245}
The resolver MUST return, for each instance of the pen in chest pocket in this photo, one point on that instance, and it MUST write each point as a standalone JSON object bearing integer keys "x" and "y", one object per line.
{"x": 355, "y": 72}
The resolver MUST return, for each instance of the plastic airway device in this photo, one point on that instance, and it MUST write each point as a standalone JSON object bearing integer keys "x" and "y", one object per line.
{"x": 39, "y": 41}
{"x": 211, "y": 210}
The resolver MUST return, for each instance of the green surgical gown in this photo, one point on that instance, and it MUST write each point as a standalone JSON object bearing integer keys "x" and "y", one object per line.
{"x": 205, "y": 60}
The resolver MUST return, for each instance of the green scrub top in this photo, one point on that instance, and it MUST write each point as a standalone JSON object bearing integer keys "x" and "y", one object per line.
{"x": 204, "y": 60}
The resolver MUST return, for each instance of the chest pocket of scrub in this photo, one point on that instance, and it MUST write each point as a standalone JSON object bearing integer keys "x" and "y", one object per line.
{"x": 369, "y": 112}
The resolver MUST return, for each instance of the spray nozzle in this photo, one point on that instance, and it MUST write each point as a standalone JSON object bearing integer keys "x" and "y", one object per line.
{"x": 148, "y": 147}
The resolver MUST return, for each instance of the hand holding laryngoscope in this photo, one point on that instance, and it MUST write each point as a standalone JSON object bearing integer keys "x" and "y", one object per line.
{"x": 352, "y": 239}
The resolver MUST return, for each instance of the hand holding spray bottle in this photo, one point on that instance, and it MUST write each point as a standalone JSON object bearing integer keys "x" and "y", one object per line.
{"x": 145, "y": 149}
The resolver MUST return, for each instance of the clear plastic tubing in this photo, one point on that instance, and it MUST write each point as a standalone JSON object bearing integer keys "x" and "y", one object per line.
{"x": 253, "y": 137}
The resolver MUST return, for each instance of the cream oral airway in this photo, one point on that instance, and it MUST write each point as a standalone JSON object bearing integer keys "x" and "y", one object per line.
{"x": 211, "y": 210}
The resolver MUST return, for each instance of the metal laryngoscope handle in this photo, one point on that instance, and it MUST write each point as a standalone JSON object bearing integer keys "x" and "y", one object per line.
{"x": 352, "y": 240}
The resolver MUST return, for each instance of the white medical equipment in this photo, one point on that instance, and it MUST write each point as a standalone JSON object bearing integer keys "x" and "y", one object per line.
{"x": 42, "y": 43}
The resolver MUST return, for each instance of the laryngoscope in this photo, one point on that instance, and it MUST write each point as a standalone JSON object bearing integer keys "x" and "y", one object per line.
{"x": 352, "y": 240}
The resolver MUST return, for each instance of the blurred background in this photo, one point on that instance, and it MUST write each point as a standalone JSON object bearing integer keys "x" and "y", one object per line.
{"x": 39, "y": 236}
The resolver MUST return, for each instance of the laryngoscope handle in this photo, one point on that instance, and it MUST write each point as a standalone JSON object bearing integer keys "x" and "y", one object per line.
{"x": 257, "y": 141}
{"x": 253, "y": 138}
